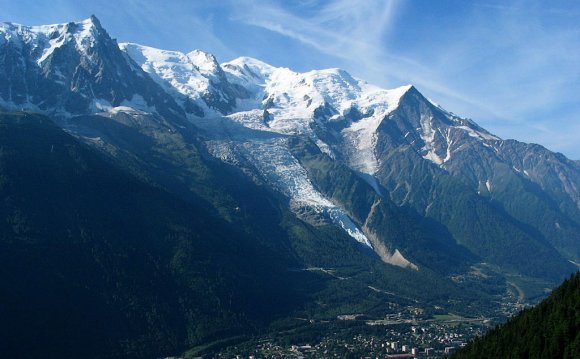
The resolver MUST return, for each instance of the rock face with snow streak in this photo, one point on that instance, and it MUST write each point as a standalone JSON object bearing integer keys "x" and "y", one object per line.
{"x": 533, "y": 185}
{"x": 486, "y": 196}
{"x": 73, "y": 68}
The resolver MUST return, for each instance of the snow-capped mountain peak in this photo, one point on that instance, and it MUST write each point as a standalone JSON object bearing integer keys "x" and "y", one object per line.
{"x": 291, "y": 96}
{"x": 249, "y": 69}
{"x": 173, "y": 70}
{"x": 195, "y": 80}
{"x": 336, "y": 110}
{"x": 206, "y": 63}
{"x": 45, "y": 39}
{"x": 73, "y": 68}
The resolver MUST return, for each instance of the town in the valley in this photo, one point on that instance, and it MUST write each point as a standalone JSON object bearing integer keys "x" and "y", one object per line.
{"x": 411, "y": 332}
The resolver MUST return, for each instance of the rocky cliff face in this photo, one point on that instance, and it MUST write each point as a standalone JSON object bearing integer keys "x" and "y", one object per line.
{"x": 73, "y": 69}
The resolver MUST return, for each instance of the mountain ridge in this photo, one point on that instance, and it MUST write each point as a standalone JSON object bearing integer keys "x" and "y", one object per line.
{"x": 245, "y": 106}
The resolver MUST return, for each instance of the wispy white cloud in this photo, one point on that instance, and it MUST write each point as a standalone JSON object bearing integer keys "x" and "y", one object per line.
{"x": 515, "y": 53}
{"x": 356, "y": 32}
{"x": 179, "y": 25}
{"x": 344, "y": 29}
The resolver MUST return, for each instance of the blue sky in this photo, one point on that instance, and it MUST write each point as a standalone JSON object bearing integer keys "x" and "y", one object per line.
{"x": 512, "y": 66}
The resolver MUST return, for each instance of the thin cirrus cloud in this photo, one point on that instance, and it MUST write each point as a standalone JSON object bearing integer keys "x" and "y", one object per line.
{"x": 337, "y": 28}
{"x": 355, "y": 32}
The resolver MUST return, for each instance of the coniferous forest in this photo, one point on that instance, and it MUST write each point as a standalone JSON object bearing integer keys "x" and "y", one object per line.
{"x": 549, "y": 330}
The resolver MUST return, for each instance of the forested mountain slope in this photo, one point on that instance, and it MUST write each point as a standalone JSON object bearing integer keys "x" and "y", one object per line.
{"x": 549, "y": 330}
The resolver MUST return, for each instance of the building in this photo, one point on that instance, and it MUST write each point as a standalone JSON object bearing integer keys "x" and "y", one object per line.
{"x": 449, "y": 350}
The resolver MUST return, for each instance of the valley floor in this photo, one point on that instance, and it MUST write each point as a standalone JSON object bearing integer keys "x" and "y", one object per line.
{"x": 411, "y": 332}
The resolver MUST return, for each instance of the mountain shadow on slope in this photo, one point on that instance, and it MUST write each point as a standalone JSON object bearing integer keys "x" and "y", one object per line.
{"x": 94, "y": 263}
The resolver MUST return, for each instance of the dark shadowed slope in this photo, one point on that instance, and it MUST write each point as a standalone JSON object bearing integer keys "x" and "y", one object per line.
{"x": 94, "y": 263}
